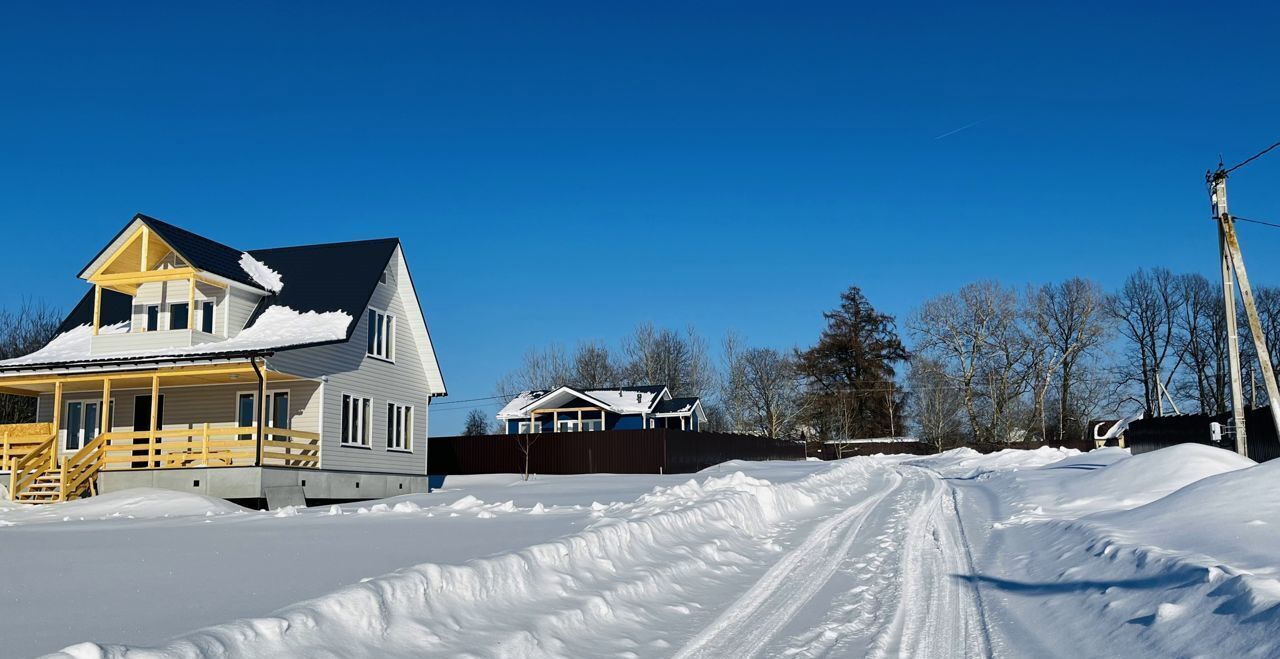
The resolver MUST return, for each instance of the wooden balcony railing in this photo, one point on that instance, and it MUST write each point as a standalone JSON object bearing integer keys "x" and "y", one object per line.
{"x": 208, "y": 446}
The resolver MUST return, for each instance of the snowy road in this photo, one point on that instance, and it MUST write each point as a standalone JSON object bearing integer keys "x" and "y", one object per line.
{"x": 957, "y": 555}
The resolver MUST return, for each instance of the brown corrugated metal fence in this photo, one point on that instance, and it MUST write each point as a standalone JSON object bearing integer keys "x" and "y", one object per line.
{"x": 614, "y": 451}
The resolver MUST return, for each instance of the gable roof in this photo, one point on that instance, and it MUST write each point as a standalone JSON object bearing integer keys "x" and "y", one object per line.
{"x": 331, "y": 278}
{"x": 201, "y": 253}
{"x": 638, "y": 399}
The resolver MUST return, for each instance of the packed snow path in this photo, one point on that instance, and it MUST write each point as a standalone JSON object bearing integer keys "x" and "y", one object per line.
{"x": 854, "y": 559}
{"x": 1044, "y": 553}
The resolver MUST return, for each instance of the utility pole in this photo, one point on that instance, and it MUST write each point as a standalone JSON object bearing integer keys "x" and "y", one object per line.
{"x": 1233, "y": 263}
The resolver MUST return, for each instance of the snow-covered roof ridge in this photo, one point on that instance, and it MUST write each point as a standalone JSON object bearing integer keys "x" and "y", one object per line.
{"x": 277, "y": 327}
{"x": 267, "y": 278}
{"x": 620, "y": 400}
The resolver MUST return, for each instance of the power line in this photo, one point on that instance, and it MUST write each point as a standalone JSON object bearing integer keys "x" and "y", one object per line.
{"x": 1251, "y": 158}
{"x": 1245, "y": 219}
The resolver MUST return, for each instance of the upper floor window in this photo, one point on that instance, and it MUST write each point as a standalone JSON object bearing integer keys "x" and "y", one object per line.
{"x": 178, "y": 316}
{"x": 153, "y": 318}
{"x": 386, "y": 274}
{"x": 206, "y": 317}
{"x": 382, "y": 335}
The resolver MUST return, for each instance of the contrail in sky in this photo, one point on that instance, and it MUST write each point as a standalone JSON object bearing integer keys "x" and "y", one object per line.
{"x": 953, "y": 132}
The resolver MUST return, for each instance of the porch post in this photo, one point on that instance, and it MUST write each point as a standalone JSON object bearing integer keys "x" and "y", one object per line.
{"x": 191, "y": 303}
{"x": 57, "y": 422}
{"x": 104, "y": 425}
{"x": 262, "y": 415}
{"x": 155, "y": 416}
{"x": 97, "y": 308}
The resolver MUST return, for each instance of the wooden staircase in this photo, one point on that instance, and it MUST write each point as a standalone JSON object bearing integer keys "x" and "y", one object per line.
{"x": 40, "y": 477}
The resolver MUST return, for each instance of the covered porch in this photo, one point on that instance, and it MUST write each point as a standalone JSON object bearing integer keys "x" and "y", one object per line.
{"x": 230, "y": 414}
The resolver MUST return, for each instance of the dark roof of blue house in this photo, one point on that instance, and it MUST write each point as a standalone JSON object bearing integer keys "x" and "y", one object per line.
{"x": 675, "y": 405}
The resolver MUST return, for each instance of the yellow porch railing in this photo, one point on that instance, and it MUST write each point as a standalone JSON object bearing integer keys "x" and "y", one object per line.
{"x": 182, "y": 448}
{"x": 19, "y": 439}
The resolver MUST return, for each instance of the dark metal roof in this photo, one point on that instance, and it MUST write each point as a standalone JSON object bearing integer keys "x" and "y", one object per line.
{"x": 675, "y": 405}
{"x": 328, "y": 277}
{"x": 202, "y": 253}
{"x": 320, "y": 278}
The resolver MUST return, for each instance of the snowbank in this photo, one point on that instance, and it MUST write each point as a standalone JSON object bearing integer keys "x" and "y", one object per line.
{"x": 632, "y": 553}
{"x": 139, "y": 503}
{"x": 965, "y": 462}
{"x": 267, "y": 278}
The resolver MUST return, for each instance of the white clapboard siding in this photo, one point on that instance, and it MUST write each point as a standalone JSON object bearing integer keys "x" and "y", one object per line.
{"x": 351, "y": 371}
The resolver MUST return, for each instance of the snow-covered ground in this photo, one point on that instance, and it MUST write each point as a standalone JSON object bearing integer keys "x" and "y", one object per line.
{"x": 1018, "y": 553}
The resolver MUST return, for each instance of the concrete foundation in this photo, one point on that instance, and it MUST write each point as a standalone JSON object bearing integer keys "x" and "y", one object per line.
{"x": 250, "y": 483}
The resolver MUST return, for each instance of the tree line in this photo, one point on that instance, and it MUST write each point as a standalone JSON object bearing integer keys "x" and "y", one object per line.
{"x": 986, "y": 363}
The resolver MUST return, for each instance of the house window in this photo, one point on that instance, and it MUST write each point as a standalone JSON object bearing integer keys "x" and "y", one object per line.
{"x": 357, "y": 423}
{"x": 383, "y": 278}
{"x": 382, "y": 333}
{"x": 206, "y": 317}
{"x": 246, "y": 412}
{"x": 399, "y": 427}
{"x": 527, "y": 427}
{"x": 153, "y": 318}
{"x": 592, "y": 425}
{"x": 566, "y": 426}
{"x": 178, "y": 316}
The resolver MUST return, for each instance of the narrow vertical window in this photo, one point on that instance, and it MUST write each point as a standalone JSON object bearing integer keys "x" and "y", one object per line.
{"x": 346, "y": 419}
{"x": 153, "y": 318}
{"x": 373, "y": 320}
{"x": 206, "y": 318}
{"x": 382, "y": 335}
{"x": 178, "y": 316}
{"x": 73, "y": 426}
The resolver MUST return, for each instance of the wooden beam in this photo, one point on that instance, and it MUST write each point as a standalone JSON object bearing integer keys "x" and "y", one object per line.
{"x": 97, "y": 308}
{"x": 168, "y": 274}
{"x": 191, "y": 302}
{"x": 104, "y": 424}
{"x": 57, "y": 421}
{"x": 228, "y": 369}
{"x": 155, "y": 414}
{"x": 146, "y": 239}
{"x": 123, "y": 248}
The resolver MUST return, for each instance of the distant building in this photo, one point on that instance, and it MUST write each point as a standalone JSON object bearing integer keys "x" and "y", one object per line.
{"x": 623, "y": 408}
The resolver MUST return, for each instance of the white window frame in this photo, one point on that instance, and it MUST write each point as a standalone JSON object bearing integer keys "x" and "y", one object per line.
{"x": 169, "y": 316}
{"x": 402, "y": 443}
{"x": 567, "y": 425}
{"x": 384, "y": 345}
{"x": 357, "y": 432}
{"x": 528, "y": 428}
{"x": 212, "y": 314}
{"x": 592, "y": 425}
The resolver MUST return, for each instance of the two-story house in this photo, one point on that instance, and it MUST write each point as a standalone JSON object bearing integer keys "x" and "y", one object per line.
{"x": 191, "y": 365}
{"x": 623, "y": 408}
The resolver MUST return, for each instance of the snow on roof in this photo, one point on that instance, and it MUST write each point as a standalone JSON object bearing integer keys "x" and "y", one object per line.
{"x": 277, "y": 327}
{"x": 512, "y": 409}
{"x": 623, "y": 400}
{"x": 267, "y": 278}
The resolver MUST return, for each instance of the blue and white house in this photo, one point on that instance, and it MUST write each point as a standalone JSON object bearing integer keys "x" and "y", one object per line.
{"x": 623, "y": 408}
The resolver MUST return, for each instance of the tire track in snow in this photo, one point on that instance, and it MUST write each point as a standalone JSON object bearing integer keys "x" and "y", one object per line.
{"x": 937, "y": 616}
{"x": 751, "y": 622}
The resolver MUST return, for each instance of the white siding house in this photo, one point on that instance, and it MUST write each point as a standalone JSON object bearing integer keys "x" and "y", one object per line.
{"x": 195, "y": 366}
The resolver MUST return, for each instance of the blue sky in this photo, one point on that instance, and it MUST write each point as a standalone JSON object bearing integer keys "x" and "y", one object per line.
{"x": 564, "y": 171}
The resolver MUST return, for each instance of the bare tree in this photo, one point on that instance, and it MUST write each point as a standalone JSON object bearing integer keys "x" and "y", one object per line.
{"x": 936, "y": 403}
{"x": 666, "y": 357}
{"x": 1146, "y": 310}
{"x": 977, "y": 335}
{"x": 1069, "y": 323}
{"x": 1202, "y": 343}
{"x": 593, "y": 367}
{"x": 23, "y": 331}
{"x": 477, "y": 424}
{"x": 766, "y": 391}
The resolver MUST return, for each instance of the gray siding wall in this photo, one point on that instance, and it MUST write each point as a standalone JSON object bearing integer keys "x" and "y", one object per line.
{"x": 351, "y": 372}
{"x": 240, "y": 307}
{"x": 190, "y": 407}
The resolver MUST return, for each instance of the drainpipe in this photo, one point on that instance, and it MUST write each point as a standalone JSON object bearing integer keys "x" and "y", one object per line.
{"x": 261, "y": 404}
